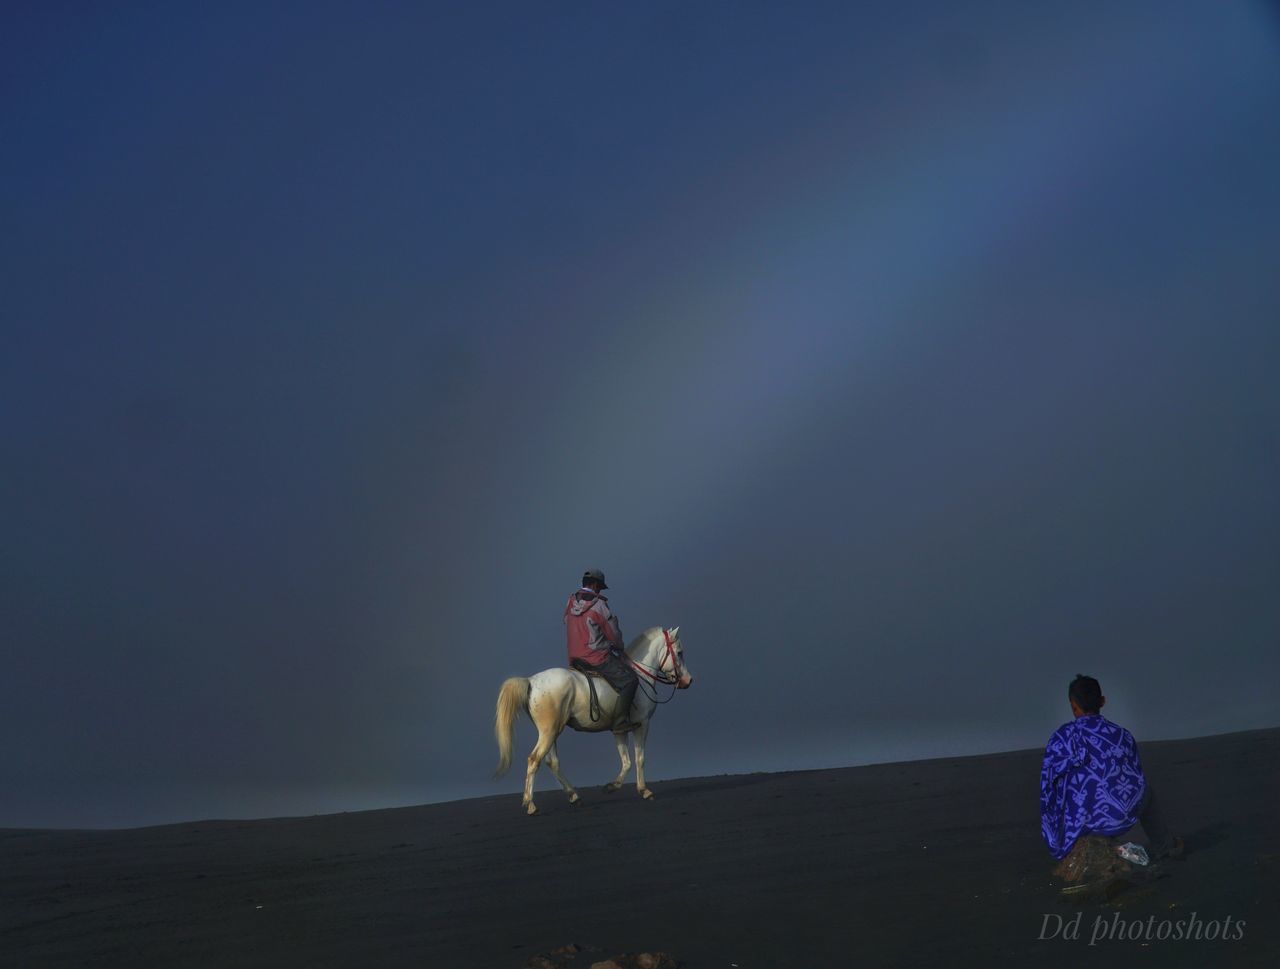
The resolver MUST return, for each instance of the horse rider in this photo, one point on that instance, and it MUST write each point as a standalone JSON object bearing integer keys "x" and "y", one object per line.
{"x": 595, "y": 643}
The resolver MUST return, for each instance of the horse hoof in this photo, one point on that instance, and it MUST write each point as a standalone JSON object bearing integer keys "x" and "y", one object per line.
{"x": 610, "y": 788}
{"x": 532, "y": 808}
{"x": 573, "y": 798}
{"x": 647, "y": 794}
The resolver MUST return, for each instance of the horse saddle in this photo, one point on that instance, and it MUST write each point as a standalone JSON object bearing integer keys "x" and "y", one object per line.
{"x": 592, "y": 675}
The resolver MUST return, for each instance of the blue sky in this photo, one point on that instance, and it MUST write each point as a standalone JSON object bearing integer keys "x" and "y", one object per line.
{"x": 911, "y": 358}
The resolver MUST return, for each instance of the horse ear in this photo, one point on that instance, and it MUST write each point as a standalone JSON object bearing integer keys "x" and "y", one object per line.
{"x": 675, "y": 632}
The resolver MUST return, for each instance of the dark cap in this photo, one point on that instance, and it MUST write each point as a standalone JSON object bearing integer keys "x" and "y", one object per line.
{"x": 594, "y": 575}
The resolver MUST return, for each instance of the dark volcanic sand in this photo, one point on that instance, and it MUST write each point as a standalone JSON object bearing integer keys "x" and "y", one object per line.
{"x": 913, "y": 864}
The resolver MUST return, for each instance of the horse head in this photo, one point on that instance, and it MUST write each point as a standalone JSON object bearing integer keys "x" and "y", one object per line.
{"x": 680, "y": 672}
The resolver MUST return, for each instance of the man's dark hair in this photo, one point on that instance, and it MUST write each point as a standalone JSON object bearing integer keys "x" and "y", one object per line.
{"x": 1086, "y": 692}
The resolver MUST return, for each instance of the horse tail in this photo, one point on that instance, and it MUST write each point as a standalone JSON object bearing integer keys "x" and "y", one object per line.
{"x": 512, "y": 698}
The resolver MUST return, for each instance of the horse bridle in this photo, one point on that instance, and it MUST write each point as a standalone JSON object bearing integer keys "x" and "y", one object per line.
{"x": 659, "y": 675}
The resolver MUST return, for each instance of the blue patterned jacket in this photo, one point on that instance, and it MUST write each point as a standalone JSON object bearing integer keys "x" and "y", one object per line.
{"x": 1091, "y": 782}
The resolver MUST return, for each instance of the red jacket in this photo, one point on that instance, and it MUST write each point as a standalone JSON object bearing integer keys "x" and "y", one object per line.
{"x": 590, "y": 628}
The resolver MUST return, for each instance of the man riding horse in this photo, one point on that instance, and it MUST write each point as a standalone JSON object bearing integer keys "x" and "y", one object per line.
{"x": 595, "y": 643}
{"x": 557, "y": 698}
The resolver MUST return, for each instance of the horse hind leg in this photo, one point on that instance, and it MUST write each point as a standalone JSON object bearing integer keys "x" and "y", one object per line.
{"x": 546, "y": 718}
{"x": 553, "y": 764}
{"x": 617, "y": 782}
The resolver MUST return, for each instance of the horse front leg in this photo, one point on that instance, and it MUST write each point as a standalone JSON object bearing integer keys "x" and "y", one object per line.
{"x": 640, "y": 733}
{"x": 621, "y": 740}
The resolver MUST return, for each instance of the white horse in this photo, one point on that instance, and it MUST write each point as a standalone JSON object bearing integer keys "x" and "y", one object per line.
{"x": 556, "y": 698}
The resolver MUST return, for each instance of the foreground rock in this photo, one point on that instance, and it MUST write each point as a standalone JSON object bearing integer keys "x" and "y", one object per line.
{"x": 557, "y": 958}
{"x": 562, "y": 957}
{"x": 643, "y": 960}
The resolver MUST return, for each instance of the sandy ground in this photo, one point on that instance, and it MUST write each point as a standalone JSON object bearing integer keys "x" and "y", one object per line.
{"x": 927, "y": 863}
